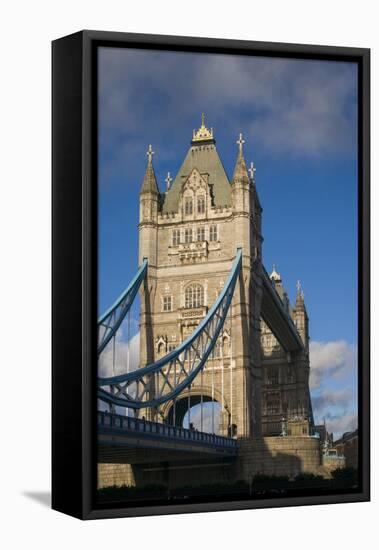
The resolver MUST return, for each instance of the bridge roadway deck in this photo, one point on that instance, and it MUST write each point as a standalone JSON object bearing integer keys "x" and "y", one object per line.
{"x": 126, "y": 439}
{"x": 277, "y": 318}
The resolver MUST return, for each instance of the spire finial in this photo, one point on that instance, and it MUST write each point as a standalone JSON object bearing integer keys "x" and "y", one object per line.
{"x": 275, "y": 276}
{"x": 150, "y": 153}
{"x": 240, "y": 142}
{"x": 203, "y": 133}
{"x": 168, "y": 181}
{"x": 149, "y": 184}
{"x": 300, "y": 291}
{"x": 252, "y": 170}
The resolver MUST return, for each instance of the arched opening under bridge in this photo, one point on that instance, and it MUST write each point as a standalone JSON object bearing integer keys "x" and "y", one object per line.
{"x": 199, "y": 412}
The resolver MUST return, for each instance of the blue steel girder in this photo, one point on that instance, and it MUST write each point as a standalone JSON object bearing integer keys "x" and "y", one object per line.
{"x": 110, "y": 321}
{"x": 164, "y": 380}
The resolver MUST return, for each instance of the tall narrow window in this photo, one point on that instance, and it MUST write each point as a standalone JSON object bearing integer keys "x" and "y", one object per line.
{"x": 273, "y": 406}
{"x": 201, "y": 205}
{"x": 272, "y": 377}
{"x": 188, "y": 206}
{"x": 167, "y": 303}
{"x": 194, "y": 296}
{"x": 161, "y": 349}
{"x": 176, "y": 237}
{"x": 213, "y": 233}
{"x": 201, "y": 233}
{"x": 217, "y": 349}
{"x": 188, "y": 235}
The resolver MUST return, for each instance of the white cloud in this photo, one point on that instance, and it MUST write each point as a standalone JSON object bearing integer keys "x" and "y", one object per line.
{"x": 331, "y": 363}
{"x": 338, "y": 398}
{"x": 338, "y": 425}
{"x": 333, "y": 376}
{"x": 113, "y": 364}
{"x": 336, "y": 360}
{"x": 294, "y": 106}
{"x": 209, "y": 418}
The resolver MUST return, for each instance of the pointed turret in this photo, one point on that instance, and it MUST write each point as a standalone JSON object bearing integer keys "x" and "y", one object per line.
{"x": 242, "y": 199}
{"x": 299, "y": 296}
{"x": 240, "y": 174}
{"x": 243, "y": 205}
{"x": 300, "y": 316}
{"x": 149, "y": 184}
{"x": 257, "y": 203}
{"x": 276, "y": 280}
{"x": 149, "y": 200}
{"x": 275, "y": 276}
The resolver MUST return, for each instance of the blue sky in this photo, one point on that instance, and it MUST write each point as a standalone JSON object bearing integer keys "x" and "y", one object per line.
{"x": 299, "y": 121}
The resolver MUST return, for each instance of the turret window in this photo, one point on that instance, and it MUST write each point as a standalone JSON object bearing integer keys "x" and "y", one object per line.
{"x": 272, "y": 377}
{"x": 176, "y": 237}
{"x": 201, "y": 233}
{"x": 290, "y": 376}
{"x": 188, "y": 235}
{"x": 218, "y": 349}
{"x": 213, "y": 236}
{"x": 167, "y": 303}
{"x": 201, "y": 205}
{"x": 194, "y": 296}
{"x": 188, "y": 206}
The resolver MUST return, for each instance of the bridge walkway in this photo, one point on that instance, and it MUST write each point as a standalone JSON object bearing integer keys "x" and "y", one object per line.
{"x": 127, "y": 439}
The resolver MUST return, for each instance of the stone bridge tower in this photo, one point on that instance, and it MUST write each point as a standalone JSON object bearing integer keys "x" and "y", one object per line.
{"x": 286, "y": 403}
{"x": 190, "y": 234}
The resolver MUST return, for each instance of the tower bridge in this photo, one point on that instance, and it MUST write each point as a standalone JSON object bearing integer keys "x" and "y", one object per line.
{"x": 214, "y": 326}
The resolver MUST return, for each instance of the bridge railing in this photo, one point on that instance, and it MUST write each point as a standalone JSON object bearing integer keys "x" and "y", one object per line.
{"x": 139, "y": 425}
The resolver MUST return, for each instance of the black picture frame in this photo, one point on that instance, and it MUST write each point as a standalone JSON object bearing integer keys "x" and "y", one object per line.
{"x": 74, "y": 269}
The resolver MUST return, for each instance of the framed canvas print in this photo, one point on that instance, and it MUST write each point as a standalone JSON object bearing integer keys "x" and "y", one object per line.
{"x": 210, "y": 274}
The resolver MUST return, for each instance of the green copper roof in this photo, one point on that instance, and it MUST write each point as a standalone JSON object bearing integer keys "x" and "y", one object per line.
{"x": 205, "y": 158}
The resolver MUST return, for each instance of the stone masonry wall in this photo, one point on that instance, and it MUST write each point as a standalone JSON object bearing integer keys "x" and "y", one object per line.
{"x": 278, "y": 456}
{"x": 287, "y": 456}
{"x": 109, "y": 475}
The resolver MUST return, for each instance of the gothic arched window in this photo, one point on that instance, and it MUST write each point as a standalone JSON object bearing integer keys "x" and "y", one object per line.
{"x": 194, "y": 296}
{"x": 201, "y": 204}
{"x": 161, "y": 349}
{"x": 188, "y": 206}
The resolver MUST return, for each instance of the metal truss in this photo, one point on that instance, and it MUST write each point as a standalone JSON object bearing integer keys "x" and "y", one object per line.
{"x": 165, "y": 379}
{"x": 110, "y": 321}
